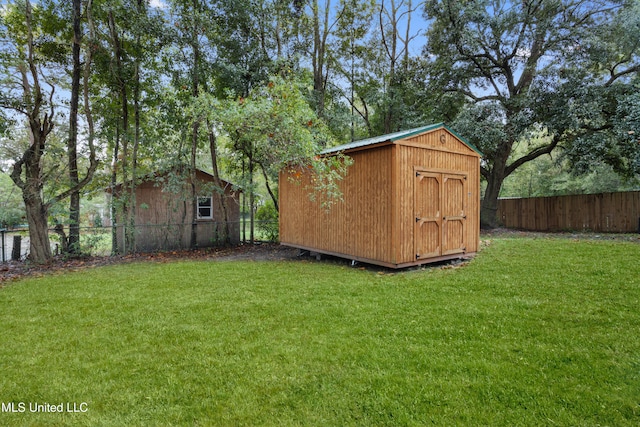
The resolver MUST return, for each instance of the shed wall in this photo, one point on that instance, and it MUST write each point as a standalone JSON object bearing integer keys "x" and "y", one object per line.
{"x": 457, "y": 161}
{"x": 361, "y": 226}
{"x": 163, "y": 220}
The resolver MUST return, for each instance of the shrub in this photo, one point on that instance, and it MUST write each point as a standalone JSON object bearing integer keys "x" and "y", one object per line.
{"x": 267, "y": 222}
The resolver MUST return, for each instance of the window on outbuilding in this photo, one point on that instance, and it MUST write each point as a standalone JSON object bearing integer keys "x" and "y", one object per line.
{"x": 205, "y": 207}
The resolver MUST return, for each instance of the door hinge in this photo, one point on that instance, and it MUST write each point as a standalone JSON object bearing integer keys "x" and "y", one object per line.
{"x": 417, "y": 219}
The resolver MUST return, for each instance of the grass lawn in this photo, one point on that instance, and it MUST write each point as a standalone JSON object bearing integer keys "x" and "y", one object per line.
{"x": 532, "y": 332}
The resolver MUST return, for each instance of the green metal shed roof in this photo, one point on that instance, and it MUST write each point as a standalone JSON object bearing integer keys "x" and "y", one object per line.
{"x": 391, "y": 137}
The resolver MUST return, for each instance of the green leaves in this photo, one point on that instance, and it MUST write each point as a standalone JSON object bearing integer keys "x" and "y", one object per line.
{"x": 11, "y": 205}
{"x": 327, "y": 172}
{"x": 558, "y": 67}
{"x": 275, "y": 124}
{"x": 275, "y": 127}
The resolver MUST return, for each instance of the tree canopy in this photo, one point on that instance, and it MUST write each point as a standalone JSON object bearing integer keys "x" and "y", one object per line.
{"x": 515, "y": 69}
{"x": 106, "y": 92}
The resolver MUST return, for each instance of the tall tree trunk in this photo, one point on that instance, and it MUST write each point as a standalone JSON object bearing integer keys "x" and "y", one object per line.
{"x": 244, "y": 202}
{"x": 115, "y": 247}
{"x": 73, "y": 241}
{"x": 124, "y": 105}
{"x": 221, "y": 195}
{"x": 407, "y": 38}
{"x": 88, "y": 58}
{"x": 320, "y": 35}
{"x": 489, "y": 207}
{"x": 274, "y": 199}
{"x": 252, "y": 200}
{"x": 195, "y": 86}
{"x": 194, "y": 190}
{"x": 31, "y": 161}
{"x": 391, "y": 47}
{"x": 136, "y": 142}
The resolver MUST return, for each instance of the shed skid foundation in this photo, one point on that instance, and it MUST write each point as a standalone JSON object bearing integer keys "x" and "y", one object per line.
{"x": 316, "y": 253}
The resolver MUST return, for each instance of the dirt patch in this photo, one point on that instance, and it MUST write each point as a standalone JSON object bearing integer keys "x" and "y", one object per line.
{"x": 14, "y": 270}
{"x": 508, "y": 233}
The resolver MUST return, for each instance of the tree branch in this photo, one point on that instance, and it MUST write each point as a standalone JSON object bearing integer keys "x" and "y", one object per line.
{"x": 384, "y": 39}
{"x": 534, "y": 154}
{"x": 274, "y": 199}
{"x": 615, "y": 76}
{"x": 476, "y": 98}
{"x": 92, "y": 168}
{"x": 486, "y": 173}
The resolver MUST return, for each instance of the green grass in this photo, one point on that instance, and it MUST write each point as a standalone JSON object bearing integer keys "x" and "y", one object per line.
{"x": 531, "y": 332}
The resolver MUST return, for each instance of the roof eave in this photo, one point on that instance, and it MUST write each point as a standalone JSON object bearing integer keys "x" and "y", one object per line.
{"x": 396, "y": 136}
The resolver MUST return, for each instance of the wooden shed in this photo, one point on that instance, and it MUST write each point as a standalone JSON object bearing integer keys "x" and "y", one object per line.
{"x": 409, "y": 198}
{"x": 164, "y": 213}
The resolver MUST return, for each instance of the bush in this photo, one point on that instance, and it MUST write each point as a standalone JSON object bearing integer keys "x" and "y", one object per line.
{"x": 11, "y": 217}
{"x": 267, "y": 222}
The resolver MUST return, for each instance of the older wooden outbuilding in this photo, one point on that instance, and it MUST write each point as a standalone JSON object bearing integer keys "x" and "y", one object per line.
{"x": 409, "y": 198}
{"x": 164, "y": 213}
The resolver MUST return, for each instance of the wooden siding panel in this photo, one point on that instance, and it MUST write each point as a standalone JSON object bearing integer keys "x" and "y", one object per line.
{"x": 439, "y": 140}
{"x": 360, "y": 226}
{"x": 163, "y": 218}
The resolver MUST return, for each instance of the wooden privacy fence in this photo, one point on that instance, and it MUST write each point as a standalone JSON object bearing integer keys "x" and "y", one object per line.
{"x": 604, "y": 212}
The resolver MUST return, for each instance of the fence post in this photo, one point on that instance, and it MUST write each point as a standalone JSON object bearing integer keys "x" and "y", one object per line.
{"x": 17, "y": 246}
{"x": 2, "y": 232}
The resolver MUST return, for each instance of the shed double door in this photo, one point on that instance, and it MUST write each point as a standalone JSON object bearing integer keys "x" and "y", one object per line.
{"x": 440, "y": 217}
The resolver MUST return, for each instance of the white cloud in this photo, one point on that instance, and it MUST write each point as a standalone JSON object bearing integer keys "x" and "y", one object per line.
{"x": 158, "y": 4}
{"x": 523, "y": 52}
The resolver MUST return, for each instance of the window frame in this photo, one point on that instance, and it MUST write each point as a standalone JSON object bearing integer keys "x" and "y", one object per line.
{"x": 210, "y": 207}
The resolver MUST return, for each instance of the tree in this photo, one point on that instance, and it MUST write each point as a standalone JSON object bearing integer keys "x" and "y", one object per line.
{"x": 322, "y": 26}
{"x": 23, "y": 93}
{"x": 510, "y": 65}
{"x": 125, "y": 36}
{"x": 195, "y": 23}
{"x": 601, "y": 98}
{"x": 395, "y": 36}
{"x": 56, "y": 32}
{"x": 73, "y": 241}
{"x": 352, "y": 58}
{"x": 372, "y": 53}
{"x": 238, "y": 45}
{"x": 274, "y": 128}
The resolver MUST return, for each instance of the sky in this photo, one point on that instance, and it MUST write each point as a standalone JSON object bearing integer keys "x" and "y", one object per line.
{"x": 157, "y": 3}
{"x": 418, "y": 25}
